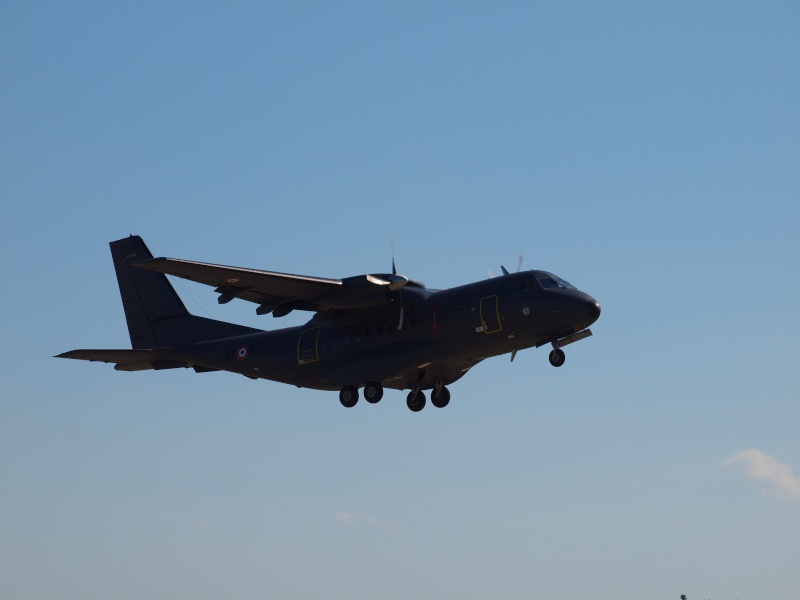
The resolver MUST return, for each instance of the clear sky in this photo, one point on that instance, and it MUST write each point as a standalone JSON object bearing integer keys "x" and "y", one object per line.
{"x": 650, "y": 154}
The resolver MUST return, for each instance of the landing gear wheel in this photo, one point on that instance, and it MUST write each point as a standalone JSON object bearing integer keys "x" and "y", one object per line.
{"x": 416, "y": 401}
{"x": 557, "y": 357}
{"x": 373, "y": 392}
{"x": 441, "y": 398}
{"x": 348, "y": 396}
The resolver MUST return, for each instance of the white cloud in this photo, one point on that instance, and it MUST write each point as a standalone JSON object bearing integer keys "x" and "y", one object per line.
{"x": 781, "y": 481}
{"x": 356, "y": 519}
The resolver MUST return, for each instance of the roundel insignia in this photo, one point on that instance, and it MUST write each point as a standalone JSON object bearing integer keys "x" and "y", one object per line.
{"x": 526, "y": 311}
{"x": 232, "y": 280}
{"x": 242, "y": 352}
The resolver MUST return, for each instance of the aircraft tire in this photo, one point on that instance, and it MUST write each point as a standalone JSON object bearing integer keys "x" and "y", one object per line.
{"x": 557, "y": 357}
{"x": 373, "y": 392}
{"x": 348, "y": 396}
{"x": 415, "y": 401}
{"x": 441, "y": 399}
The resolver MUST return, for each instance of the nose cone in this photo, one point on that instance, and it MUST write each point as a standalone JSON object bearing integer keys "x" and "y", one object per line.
{"x": 594, "y": 310}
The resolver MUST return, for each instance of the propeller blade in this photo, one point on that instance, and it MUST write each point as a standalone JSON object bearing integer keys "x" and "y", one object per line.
{"x": 519, "y": 263}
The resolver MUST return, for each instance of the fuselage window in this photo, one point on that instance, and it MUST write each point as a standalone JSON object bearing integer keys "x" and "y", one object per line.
{"x": 521, "y": 289}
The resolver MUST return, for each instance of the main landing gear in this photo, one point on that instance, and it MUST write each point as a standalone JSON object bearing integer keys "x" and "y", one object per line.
{"x": 416, "y": 400}
{"x": 373, "y": 392}
{"x": 440, "y": 397}
{"x": 348, "y": 396}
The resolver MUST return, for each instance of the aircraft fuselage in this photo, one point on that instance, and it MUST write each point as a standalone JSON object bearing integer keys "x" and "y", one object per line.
{"x": 371, "y": 331}
{"x": 450, "y": 330}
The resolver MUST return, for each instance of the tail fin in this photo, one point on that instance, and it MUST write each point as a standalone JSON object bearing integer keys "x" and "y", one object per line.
{"x": 156, "y": 316}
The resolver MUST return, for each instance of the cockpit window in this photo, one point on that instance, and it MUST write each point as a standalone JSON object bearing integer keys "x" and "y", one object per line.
{"x": 565, "y": 283}
{"x": 554, "y": 282}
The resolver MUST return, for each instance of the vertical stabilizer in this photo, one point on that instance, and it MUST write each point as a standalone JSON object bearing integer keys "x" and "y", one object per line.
{"x": 156, "y": 315}
{"x": 146, "y": 296}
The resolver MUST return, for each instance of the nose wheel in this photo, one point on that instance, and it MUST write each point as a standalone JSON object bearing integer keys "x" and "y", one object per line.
{"x": 557, "y": 357}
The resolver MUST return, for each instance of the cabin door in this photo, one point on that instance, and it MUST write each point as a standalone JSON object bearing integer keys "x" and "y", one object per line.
{"x": 307, "y": 346}
{"x": 490, "y": 315}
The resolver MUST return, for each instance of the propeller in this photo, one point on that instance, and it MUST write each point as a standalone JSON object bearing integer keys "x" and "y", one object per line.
{"x": 396, "y": 281}
{"x": 400, "y": 282}
{"x": 394, "y": 284}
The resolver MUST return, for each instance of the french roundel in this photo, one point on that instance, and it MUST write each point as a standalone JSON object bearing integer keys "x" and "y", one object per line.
{"x": 242, "y": 353}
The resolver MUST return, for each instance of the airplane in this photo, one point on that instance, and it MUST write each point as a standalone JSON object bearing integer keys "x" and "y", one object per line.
{"x": 368, "y": 332}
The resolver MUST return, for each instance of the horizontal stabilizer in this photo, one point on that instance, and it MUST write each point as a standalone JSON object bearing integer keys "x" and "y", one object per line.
{"x": 127, "y": 360}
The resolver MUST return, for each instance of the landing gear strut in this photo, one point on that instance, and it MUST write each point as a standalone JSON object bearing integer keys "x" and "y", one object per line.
{"x": 416, "y": 400}
{"x": 348, "y": 396}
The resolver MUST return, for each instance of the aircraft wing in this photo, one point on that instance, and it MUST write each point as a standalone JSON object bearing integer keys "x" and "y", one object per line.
{"x": 280, "y": 293}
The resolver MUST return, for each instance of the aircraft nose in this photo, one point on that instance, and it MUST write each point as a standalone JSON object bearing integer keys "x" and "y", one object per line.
{"x": 594, "y": 309}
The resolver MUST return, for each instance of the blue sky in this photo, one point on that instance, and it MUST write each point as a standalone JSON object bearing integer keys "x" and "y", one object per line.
{"x": 647, "y": 153}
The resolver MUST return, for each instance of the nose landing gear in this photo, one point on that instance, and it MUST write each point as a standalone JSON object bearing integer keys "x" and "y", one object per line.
{"x": 557, "y": 357}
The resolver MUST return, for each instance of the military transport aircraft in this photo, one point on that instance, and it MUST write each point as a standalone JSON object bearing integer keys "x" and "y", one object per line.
{"x": 372, "y": 331}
